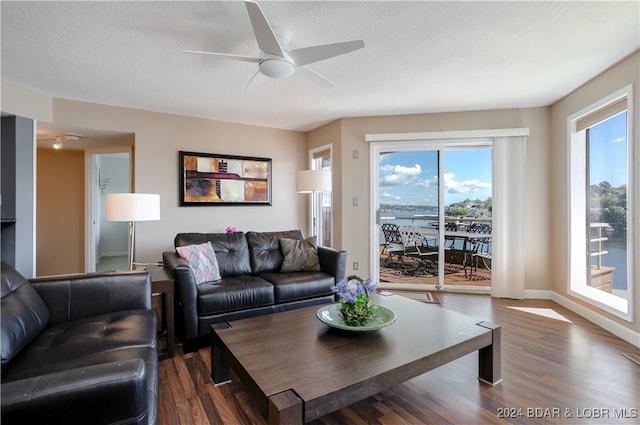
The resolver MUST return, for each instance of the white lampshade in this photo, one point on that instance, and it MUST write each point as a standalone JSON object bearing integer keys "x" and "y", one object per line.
{"x": 309, "y": 181}
{"x": 132, "y": 207}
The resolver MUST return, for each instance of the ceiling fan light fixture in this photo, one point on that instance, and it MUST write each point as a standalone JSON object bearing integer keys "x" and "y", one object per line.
{"x": 58, "y": 139}
{"x": 277, "y": 68}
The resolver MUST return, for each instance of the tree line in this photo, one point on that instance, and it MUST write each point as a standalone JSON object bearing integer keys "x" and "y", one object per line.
{"x": 609, "y": 205}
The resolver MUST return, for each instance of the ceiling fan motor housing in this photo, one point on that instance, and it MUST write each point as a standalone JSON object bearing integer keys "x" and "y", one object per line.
{"x": 277, "y": 67}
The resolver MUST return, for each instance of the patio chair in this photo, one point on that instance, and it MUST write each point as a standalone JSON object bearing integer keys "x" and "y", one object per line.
{"x": 480, "y": 247}
{"x": 449, "y": 226}
{"x": 414, "y": 246}
{"x": 393, "y": 244}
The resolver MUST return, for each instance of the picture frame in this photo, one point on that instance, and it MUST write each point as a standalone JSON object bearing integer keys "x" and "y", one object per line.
{"x": 215, "y": 180}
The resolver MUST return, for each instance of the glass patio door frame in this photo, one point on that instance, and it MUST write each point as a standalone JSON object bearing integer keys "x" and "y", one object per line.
{"x": 439, "y": 145}
{"x": 508, "y": 202}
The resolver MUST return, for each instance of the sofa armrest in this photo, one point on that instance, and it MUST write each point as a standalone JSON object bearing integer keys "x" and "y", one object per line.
{"x": 105, "y": 393}
{"x": 186, "y": 289}
{"x": 72, "y": 297}
{"x": 333, "y": 261}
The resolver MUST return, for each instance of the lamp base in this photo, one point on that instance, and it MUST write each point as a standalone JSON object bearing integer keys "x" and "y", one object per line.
{"x": 131, "y": 241}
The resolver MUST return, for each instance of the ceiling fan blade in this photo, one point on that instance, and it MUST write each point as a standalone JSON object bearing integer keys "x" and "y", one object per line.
{"x": 267, "y": 40}
{"x": 225, "y": 56}
{"x": 307, "y": 55}
{"x": 257, "y": 80}
{"x": 315, "y": 78}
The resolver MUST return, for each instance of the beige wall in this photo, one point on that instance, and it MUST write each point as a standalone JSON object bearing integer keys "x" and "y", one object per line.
{"x": 159, "y": 137}
{"x": 59, "y": 212}
{"x": 620, "y": 75}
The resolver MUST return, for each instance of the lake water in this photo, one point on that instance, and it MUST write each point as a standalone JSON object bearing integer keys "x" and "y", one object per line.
{"x": 616, "y": 257}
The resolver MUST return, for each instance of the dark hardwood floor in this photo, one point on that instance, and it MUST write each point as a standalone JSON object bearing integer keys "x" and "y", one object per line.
{"x": 555, "y": 370}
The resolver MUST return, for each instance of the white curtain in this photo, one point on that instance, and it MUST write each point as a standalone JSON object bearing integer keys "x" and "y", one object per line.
{"x": 507, "y": 272}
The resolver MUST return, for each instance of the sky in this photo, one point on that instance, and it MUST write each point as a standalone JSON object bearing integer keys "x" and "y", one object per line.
{"x": 609, "y": 151}
{"x": 410, "y": 178}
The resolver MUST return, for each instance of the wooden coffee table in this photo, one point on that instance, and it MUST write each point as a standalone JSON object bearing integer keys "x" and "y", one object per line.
{"x": 298, "y": 369}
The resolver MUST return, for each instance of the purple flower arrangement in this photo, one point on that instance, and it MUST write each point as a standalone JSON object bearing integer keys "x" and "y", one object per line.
{"x": 355, "y": 304}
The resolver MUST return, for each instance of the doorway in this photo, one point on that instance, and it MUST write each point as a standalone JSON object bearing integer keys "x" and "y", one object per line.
{"x": 67, "y": 195}
{"x": 110, "y": 172}
{"x": 321, "y": 202}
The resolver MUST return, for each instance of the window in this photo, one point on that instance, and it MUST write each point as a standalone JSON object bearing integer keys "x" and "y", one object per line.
{"x": 601, "y": 189}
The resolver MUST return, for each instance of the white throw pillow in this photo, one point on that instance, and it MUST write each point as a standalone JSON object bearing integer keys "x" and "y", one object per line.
{"x": 202, "y": 260}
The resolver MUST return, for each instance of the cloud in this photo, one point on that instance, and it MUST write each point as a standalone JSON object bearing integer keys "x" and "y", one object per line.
{"x": 432, "y": 182}
{"x": 454, "y": 186}
{"x": 395, "y": 175}
{"x": 619, "y": 140}
{"x": 389, "y": 198}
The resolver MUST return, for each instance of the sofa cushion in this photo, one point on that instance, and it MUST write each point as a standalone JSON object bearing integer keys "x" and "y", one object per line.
{"x": 234, "y": 293}
{"x": 299, "y": 285}
{"x": 266, "y": 255}
{"x": 231, "y": 250}
{"x": 103, "y": 338}
{"x": 299, "y": 256}
{"x": 69, "y": 397}
{"x": 202, "y": 260}
{"x": 23, "y": 313}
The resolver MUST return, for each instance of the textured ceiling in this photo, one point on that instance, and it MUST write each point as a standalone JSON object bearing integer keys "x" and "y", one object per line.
{"x": 429, "y": 56}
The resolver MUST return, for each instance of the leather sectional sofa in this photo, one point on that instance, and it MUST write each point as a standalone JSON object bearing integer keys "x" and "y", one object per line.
{"x": 251, "y": 281}
{"x": 78, "y": 349}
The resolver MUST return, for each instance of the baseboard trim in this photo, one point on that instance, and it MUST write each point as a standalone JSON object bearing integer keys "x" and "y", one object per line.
{"x": 538, "y": 294}
{"x": 605, "y": 323}
{"x": 114, "y": 254}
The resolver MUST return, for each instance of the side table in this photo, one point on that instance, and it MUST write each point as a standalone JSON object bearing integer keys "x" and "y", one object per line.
{"x": 162, "y": 284}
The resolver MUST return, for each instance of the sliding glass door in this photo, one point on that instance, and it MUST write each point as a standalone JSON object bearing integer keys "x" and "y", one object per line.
{"x": 434, "y": 213}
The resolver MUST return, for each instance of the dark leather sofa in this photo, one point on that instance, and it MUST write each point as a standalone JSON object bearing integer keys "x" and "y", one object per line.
{"x": 78, "y": 349}
{"x": 252, "y": 283}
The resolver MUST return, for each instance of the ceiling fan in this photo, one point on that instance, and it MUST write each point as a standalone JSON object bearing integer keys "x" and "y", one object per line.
{"x": 275, "y": 59}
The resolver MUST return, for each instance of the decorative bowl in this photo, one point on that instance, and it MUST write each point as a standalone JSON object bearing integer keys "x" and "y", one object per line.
{"x": 330, "y": 314}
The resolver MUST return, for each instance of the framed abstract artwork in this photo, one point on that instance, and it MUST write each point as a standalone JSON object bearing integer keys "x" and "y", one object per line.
{"x": 211, "y": 179}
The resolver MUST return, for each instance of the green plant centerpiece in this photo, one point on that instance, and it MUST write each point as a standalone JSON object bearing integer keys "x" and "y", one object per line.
{"x": 355, "y": 304}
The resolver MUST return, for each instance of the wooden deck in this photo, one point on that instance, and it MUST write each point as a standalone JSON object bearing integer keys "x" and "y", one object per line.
{"x": 454, "y": 274}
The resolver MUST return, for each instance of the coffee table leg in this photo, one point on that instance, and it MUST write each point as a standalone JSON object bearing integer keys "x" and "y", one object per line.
{"x": 219, "y": 367}
{"x": 285, "y": 408}
{"x": 489, "y": 357}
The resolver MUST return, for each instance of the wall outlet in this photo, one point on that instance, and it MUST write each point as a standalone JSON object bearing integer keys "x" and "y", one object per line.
{"x": 355, "y": 265}
{"x": 355, "y": 201}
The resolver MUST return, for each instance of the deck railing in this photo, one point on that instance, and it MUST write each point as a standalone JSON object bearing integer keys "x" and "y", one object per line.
{"x": 597, "y": 238}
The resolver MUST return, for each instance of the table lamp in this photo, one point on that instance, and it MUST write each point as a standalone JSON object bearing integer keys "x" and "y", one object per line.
{"x": 132, "y": 207}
